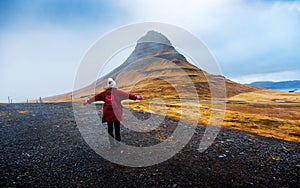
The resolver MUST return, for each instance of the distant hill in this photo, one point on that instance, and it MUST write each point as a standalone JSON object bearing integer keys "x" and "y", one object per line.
{"x": 277, "y": 85}
{"x": 149, "y": 66}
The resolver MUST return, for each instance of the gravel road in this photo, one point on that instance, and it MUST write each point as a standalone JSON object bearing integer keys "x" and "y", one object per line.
{"x": 41, "y": 146}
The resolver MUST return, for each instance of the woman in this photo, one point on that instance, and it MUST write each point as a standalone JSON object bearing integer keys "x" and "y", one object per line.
{"x": 112, "y": 108}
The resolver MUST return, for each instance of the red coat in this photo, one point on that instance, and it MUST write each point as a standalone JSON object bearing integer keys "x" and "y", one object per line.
{"x": 112, "y": 108}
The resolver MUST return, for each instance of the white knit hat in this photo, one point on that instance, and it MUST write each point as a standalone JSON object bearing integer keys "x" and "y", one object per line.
{"x": 111, "y": 83}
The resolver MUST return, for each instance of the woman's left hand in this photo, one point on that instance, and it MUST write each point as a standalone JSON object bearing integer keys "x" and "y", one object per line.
{"x": 85, "y": 102}
{"x": 139, "y": 98}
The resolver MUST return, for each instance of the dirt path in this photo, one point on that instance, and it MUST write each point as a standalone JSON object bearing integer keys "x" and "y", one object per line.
{"x": 41, "y": 146}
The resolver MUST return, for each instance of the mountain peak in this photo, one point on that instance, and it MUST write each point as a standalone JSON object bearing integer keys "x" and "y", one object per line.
{"x": 151, "y": 43}
{"x": 154, "y": 36}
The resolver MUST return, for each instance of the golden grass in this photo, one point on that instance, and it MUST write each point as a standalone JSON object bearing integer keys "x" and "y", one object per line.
{"x": 267, "y": 96}
{"x": 273, "y": 157}
{"x": 23, "y": 111}
{"x": 262, "y": 119}
{"x": 3, "y": 114}
{"x": 263, "y": 125}
{"x": 281, "y": 111}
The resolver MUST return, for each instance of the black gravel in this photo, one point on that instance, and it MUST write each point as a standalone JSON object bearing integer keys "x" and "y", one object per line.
{"x": 42, "y": 147}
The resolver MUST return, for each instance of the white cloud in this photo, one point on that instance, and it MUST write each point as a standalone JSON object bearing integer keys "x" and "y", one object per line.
{"x": 41, "y": 61}
{"x": 238, "y": 33}
{"x": 292, "y": 5}
{"x": 191, "y": 14}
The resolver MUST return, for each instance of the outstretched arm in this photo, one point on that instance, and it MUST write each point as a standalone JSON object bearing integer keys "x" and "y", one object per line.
{"x": 135, "y": 97}
{"x": 124, "y": 95}
{"x": 98, "y": 97}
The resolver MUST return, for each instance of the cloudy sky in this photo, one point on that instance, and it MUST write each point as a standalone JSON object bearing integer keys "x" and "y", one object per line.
{"x": 43, "y": 41}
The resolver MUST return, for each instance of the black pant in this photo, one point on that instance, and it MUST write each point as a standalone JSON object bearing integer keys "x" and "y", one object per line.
{"x": 111, "y": 126}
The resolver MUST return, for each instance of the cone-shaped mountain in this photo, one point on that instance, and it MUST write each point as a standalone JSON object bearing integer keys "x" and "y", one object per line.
{"x": 155, "y": 69}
